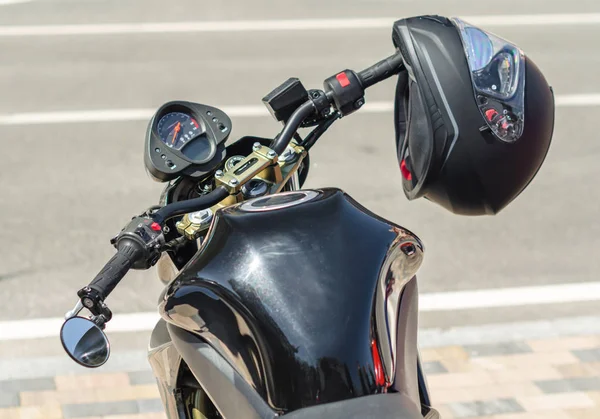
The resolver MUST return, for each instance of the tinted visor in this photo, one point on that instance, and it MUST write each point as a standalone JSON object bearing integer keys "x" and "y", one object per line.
{"x": 498, "y": 75}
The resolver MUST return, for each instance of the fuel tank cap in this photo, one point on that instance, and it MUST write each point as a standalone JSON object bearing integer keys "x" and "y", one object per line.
{"x": 278, "y": 201}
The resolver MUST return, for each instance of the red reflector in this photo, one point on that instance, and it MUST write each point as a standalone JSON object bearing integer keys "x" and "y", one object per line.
{"x": 490, "y": 114}
{"x": 379, "y": 375}
{"x": 155, "y": 226}
{"x": 343, "y": 79}
{"x": 405, "y": 172}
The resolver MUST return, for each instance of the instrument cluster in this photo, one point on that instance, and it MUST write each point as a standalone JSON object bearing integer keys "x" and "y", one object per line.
{"x": 185, "y": 139}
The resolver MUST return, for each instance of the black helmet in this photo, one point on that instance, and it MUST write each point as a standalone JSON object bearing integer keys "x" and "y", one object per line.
{"x": 474, "y": 116}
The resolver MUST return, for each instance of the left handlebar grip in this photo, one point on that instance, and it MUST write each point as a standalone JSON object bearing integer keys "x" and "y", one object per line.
{"x": 117, "y": 267}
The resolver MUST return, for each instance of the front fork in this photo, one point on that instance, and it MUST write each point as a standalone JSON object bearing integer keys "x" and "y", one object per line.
{"x": 422, "y": 380}
{"x": 427, "y": 410}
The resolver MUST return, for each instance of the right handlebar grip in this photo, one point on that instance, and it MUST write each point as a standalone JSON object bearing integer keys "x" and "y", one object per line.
{"x": 116, "y": 268}
{"x": 381, "y": 70}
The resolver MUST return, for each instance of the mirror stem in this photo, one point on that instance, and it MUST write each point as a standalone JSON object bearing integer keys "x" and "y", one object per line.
{"x": 75, "y": 311}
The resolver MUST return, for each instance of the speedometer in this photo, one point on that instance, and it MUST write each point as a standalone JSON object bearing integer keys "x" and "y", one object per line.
{"x": 176, "y": 129}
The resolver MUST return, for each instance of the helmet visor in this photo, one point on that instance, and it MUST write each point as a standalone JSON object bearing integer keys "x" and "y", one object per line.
{"x": 498, "y": 76}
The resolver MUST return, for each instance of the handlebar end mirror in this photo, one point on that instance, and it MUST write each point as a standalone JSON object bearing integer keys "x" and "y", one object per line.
{"x": 85, "y": 342}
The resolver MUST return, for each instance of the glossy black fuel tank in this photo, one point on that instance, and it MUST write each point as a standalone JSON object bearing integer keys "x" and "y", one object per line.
{"x": 300, "y": 293}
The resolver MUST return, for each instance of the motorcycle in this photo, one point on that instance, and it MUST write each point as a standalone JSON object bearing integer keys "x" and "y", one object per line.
{"x": 278, "y": 301}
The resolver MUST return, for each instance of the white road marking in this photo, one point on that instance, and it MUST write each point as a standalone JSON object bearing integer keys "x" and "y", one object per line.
{"x": 592, "y": 99}
{"x": 501, "y": 297}
{"x": 6, "y": 2}
{"x": 50, "y": 327}
{"x": 283, "y": 25}
{"x": 510, "y": 297}
{"x": 116, "y": 115}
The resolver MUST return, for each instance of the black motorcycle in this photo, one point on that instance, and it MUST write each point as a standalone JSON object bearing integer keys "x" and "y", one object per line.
{"x": 302, "y": 303}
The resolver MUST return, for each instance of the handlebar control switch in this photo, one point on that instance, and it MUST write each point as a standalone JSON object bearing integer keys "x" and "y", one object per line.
{"x": 322, "y": 108}
{"x": 147, "y": 235}
{"x": 346, "y": 91}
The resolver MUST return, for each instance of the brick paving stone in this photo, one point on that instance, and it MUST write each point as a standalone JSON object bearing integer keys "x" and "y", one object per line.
{"x": 485, "y": 408}
{"x": 100, "y": 409}
{"x": 556, "y": 401}
{"x": 32, "y": 384}
{"x": 433, "y": 367}
{"x": 466, "y": 379}
{"x": 9, "y": 398}
{"x": 570, "y": 385}
{"x": 36, "y": 412}
{"x": 588, "y": 355}
{"x": 156, "y": 415}
{"x": 588, "y": 369}
{"x": 595, "y": 396}
{"x": 492, "y": 391}
{"x": 429, "y": 354}
{"x": 490, "y": 363}
{"x": 71, "y": 382}
{"x": 151, "y": 405}
{"x": 444, "y": 411}
{"x": 514, "y": 375}
{"x": 548, "y": 414}
{"x": 90, "y": 395}
{"x": 564, "y": 343}
{"x": 458, "y": 365}
{"x": 593, "y": 413}
{"x": 142, "y": 377}
{"x": 524, "y": 361}
{"x": 39, "y": 398}
{"x": 452, "y": 352}
{"x": 449, "y": 395}
{"x": 508, "y": 348}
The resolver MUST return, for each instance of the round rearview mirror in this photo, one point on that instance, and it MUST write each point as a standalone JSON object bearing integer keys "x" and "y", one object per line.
{"x": 85, "y": 342}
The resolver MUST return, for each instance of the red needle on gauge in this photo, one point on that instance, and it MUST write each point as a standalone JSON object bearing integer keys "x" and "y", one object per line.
{"x": 175, "y": 132}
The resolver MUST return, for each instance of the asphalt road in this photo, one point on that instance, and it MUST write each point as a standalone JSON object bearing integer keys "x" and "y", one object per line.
{"x": 67, "y": 188}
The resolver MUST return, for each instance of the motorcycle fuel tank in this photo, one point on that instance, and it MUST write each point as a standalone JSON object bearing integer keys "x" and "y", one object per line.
{"x": 300, "y": 292}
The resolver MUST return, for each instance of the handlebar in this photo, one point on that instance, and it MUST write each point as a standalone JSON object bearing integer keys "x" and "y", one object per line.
{"x": 139, "y": 244}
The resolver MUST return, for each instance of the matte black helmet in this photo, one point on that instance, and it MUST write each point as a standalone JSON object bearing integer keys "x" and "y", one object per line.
{"x": 474, "y": 116}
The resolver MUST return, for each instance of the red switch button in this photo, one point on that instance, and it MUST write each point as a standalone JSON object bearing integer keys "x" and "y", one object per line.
{"x": 343, "y": 79}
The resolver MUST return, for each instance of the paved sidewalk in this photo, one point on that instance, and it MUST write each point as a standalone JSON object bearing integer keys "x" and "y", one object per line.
{"x": 555, "y": 378}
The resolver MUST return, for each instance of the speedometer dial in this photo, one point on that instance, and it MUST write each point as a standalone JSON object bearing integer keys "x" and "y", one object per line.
{"x": 176, "y": 129}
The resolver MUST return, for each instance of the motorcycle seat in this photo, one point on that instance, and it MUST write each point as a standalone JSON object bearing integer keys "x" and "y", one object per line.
{"x": 391, "y": 405}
